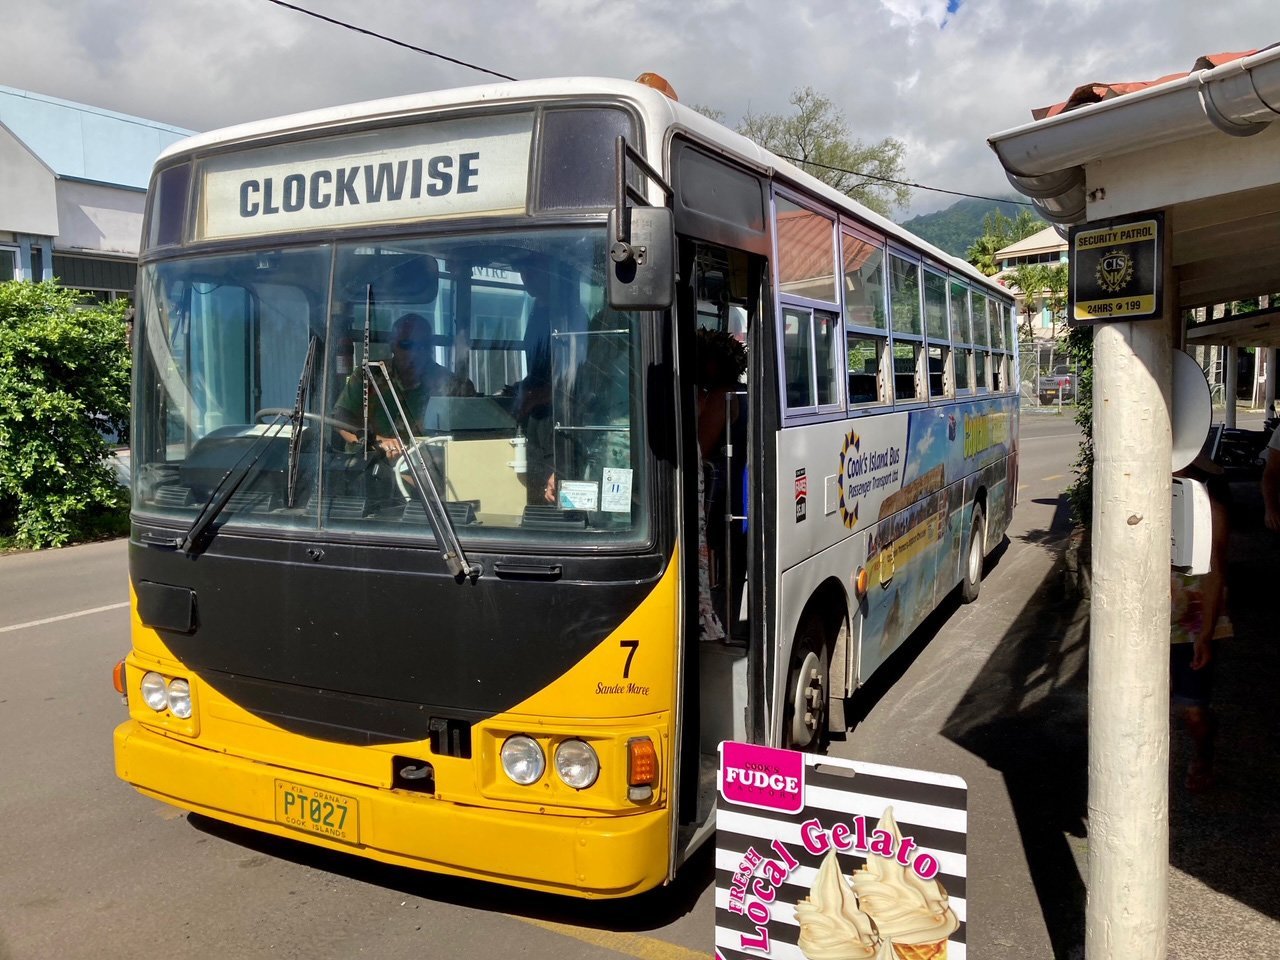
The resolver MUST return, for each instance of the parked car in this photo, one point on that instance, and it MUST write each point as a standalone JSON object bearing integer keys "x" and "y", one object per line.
{"x": 1059, "y": 385}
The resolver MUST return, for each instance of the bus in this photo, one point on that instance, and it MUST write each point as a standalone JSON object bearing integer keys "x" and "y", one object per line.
{"x": 417, "y": 556}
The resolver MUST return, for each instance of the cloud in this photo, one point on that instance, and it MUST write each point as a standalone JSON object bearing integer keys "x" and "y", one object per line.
{"x": 940, "y": 75}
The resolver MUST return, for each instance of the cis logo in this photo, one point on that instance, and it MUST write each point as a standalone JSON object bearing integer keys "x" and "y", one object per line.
{"x": 1115, "y": 270}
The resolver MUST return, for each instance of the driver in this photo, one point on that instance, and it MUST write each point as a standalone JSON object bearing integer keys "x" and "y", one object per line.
{"x": 416, "y": 378}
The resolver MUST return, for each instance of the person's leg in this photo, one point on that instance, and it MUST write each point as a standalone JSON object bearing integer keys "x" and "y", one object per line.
{"x": 1201, "y": 725}
{"x": 1190, "y": 693}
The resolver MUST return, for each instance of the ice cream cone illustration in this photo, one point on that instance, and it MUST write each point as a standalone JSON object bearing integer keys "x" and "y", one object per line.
{"x": 921, "y": 951}
{"x": 831, "y": 925}
{"x": 912, "y": 914}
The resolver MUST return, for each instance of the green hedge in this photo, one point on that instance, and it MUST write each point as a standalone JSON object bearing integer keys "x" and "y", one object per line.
{"x": 64, "y": 381}
{"x": 1080, "y": 492}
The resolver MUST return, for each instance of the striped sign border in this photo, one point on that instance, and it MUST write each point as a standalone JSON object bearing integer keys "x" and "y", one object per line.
{"x": 930, "y": 807}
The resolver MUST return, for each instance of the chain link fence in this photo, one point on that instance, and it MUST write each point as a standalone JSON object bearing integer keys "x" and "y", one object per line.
{"x": 1047, "y": 375}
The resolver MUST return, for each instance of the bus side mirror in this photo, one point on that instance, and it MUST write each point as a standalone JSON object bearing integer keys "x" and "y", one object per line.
{"x": 642, "y": 263}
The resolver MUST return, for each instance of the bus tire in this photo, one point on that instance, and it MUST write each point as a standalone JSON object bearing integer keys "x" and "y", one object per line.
{"x": 804, "y": 720}
{"x": 971, "y": 583}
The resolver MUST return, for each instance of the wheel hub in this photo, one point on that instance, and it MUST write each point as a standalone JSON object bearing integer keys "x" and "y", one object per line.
{"x": 809, "y": 698}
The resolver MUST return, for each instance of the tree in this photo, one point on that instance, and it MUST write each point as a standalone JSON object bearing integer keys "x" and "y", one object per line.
{"x": 816, "y": 138}
{"x": 711, "y": 113}
{"x": 1080, "y": 491}
{"x": 1042, "y": 285}
{"x": 64, "y": 383}
{"x": 998, "y": 231}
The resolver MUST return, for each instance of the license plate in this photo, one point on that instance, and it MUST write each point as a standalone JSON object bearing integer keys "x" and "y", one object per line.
{"x": 1051, "y": 393}
{"x": 317, "y": 811}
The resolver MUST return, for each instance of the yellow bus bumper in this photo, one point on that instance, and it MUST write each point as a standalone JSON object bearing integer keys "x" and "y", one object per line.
{"x": 571, "y": 855}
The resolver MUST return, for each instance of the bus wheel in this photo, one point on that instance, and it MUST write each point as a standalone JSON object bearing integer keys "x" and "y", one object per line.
{"x": 972, "y": 581}
{"x": 804, "y": 722}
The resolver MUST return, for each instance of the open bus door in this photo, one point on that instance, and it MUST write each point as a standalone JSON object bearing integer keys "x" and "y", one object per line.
{"x": 718, "y": 333}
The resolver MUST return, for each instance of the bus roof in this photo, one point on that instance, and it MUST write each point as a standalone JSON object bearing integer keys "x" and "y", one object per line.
{"x": 661, "y": 113}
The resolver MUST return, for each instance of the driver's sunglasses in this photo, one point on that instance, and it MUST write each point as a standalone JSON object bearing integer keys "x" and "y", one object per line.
{"x": 410, "y": 344}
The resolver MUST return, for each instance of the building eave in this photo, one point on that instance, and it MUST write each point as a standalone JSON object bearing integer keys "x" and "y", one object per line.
{"x": 1045, "y": 160}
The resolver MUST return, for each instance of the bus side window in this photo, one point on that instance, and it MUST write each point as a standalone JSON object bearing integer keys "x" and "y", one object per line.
{"x": 937, "y": 361}
{"x": 797, "y": 348}
{"x": 906, "y": 359}
{"x": 863, "y": 358}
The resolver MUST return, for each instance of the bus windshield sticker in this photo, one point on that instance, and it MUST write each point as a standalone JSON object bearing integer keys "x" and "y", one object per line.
{"x": 616, "y": 495}
{"x": 868, "y": 859}
{"x": 579, "y": 495}
{"x": 452, "y": 168}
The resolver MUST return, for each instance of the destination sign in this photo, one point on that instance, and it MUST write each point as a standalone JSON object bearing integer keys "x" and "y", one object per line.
{"x": 1115, "y": 269}
{"x": 426, "y": 171}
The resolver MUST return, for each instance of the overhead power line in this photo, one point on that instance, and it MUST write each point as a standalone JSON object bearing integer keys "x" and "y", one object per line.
{"x": 383, "y": 36}
{"x": 903, "y": 183}
{"x": 494, "y": 73}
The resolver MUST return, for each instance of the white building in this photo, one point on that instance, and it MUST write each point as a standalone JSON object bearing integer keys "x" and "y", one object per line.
{"x": 73, "y": 182}
{"x": 1044, "y": 248}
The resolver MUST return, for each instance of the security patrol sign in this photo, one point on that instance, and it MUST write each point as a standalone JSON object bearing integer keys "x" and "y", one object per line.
{"x": 1116, "y": 270}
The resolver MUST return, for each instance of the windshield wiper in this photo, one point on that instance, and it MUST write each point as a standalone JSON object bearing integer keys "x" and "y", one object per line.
{"x": 446, "y": 534}
{"x": 228, "y": 485}
{"x": 299, "y": 406}
{"x": 230, "y": 482}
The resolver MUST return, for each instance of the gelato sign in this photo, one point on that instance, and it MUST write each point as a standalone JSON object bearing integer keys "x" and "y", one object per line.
{"x": 872, "y": 864}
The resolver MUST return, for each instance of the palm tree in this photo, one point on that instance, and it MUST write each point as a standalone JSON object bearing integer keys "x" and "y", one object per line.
{"x": 998, "y": 231}
{"x": 1041, "y": 285}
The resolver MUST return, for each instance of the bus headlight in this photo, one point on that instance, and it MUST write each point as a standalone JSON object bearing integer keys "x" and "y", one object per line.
{"x": 153, "y": 691}
{"x": 523, "y": 760}
{"x": 180, "y": 699}
{"x": 577, "y": 764}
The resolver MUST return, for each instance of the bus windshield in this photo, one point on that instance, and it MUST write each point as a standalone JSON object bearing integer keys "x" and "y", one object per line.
{"x": 494, "y": 354}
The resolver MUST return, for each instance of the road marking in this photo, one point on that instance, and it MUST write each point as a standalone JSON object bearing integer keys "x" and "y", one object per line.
{"x": 1051, "y": 436}
{"x": 628, "y": 944}
{"x": 1056, "y": 476}
{"x": 65, "y": 616}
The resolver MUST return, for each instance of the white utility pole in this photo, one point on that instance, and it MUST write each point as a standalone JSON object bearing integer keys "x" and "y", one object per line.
{"x": 1230, "y": 366}
{"x": 1268, "y": 355}
{"x": 1127, "y": 912}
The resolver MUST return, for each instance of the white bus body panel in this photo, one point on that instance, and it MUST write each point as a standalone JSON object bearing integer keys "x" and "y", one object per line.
{"x": 892, "y": 492}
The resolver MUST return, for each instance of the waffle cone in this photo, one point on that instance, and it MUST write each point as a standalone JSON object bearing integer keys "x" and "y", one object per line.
{"x": 921, "y": 951}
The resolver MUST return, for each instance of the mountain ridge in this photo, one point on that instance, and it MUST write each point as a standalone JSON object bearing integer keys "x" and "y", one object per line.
{"x": 955, "y": 228}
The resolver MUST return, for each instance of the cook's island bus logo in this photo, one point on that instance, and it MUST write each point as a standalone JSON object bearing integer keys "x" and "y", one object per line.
{"x": 1114, "y": 271}
{"x": 849, "y": 504}
{"x": 863, "y": 472}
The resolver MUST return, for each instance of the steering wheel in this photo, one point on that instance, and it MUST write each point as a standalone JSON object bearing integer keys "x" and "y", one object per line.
{"x": 269, "y": 413}
{"x": 404, "y": 475}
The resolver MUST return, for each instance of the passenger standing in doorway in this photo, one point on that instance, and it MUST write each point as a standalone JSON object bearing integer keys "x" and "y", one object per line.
{"x": 720, "y": 362}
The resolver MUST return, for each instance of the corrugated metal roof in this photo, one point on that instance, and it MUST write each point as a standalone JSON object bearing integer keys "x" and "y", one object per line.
{"x": 83, "y": 142}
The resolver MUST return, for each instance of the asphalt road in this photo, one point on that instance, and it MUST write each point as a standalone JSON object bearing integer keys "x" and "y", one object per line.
{"x": 89, "y": 868}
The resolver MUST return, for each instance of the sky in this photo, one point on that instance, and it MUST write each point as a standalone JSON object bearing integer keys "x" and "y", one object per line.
{"x": 940, "y": 75}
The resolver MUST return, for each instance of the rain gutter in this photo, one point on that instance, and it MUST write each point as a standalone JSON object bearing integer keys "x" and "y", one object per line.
{"x": 1045, "y": 160}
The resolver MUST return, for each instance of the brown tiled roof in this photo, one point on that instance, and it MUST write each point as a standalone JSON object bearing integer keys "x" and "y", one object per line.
{"x": 1097, "y": 92}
